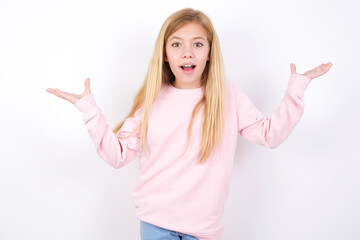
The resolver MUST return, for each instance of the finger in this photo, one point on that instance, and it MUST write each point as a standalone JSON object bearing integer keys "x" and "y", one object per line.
{"x": 329, "y": 65}
{"x": 293, "y": 68}
{"x": 60, "y": 94}
{"x": 63, "y": 95}
{"x": 87, "y": 86}
{"x": 321, "y": 70}
{"x": 324, "y": 68}
{"x": 53, "y": 91}
{"x": 50, "y": 90}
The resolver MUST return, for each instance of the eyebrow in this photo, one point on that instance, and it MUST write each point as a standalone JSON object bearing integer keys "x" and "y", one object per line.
{"x": 175, "y": 37}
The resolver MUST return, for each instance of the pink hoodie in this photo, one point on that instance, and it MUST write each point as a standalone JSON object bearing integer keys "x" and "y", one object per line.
{"x": 173, "y": 191}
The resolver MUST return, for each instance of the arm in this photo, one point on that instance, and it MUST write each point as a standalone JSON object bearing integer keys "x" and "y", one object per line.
{"x": 109, "y": 147}
{"x": 113, "y": 150}
{"x": 271, "y": 132}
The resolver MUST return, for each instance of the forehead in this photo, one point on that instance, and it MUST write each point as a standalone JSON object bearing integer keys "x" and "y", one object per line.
{"x": 190, "y": 31}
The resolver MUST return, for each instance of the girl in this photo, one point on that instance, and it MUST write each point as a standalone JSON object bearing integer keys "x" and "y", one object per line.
{"x": 183, "y": 126}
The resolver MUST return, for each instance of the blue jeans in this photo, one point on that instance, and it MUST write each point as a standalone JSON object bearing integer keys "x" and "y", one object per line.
{"x": 152, "y": 232}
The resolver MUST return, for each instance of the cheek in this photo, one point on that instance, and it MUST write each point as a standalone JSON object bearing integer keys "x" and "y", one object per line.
{"x": 169, "y": 55}
{"x": 205, "y": 56}
{"x": 170, "y": 60}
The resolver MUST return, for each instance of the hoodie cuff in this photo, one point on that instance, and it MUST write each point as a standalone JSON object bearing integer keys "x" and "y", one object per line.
{"x": 298, "y": 84}
{"x": 85, "y": 103}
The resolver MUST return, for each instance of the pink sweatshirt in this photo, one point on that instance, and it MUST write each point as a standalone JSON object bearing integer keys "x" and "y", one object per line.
{"x": 172, "y": 190}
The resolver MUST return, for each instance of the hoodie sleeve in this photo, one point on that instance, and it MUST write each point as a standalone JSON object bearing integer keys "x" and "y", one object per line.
{"x": 110, "y": 147}
{"x": 271, "y": 132}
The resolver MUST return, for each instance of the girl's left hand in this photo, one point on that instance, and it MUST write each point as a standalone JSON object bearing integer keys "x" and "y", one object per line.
{"x": 313, "y": 73}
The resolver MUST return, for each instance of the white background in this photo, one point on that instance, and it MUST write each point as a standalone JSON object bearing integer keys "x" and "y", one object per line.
{"x": 54, "y": 186}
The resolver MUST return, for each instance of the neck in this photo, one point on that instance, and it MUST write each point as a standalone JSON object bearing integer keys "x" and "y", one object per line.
{"x": 191, "y": 85}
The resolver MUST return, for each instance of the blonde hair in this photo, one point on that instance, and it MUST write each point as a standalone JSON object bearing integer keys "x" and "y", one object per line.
{"x": 213, "y": 77}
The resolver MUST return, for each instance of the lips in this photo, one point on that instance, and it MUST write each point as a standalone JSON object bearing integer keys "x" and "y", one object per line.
{"x": 188, "y": 68}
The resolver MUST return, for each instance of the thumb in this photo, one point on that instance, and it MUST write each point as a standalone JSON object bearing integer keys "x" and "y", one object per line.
{"x": 87, "y": 86}
{"x": 293, "y": 68}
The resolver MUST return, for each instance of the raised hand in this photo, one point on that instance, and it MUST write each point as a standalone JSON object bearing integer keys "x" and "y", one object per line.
{"x": 71, "y": 97}
{"x": 313, "y": 73}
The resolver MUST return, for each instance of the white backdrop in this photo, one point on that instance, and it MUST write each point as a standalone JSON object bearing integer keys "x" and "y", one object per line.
{"x": 54, "y": 186}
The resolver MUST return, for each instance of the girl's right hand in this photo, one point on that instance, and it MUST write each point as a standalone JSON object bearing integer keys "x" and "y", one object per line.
{"x": 71, "y": 97}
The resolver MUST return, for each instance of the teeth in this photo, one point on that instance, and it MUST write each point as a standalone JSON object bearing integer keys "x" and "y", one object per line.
{"x": 187, "y": 65}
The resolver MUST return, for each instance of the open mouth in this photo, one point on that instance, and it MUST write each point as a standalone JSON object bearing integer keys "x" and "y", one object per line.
{"x": 188, "y": 67}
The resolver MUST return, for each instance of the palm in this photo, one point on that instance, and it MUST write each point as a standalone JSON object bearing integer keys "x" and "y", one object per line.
{"x": 71, "y": 97}
{"x": 313, "y": 73}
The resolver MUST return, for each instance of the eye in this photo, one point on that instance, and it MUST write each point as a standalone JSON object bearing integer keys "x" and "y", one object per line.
{"x": 198, "y": 44}
{"x": 175, "y": 44}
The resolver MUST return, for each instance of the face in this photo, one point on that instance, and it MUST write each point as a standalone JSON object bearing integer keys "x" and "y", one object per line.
{"x": 187, "y": 51}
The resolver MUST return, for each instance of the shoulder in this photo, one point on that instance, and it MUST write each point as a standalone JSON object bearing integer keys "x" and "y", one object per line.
{"x": 233, "y": 90}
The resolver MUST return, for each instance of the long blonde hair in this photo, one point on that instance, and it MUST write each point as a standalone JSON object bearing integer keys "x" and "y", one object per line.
{"x": 159, "y": 72}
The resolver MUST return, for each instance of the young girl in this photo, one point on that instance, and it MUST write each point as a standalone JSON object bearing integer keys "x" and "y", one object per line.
{"x": 183, "y": 126}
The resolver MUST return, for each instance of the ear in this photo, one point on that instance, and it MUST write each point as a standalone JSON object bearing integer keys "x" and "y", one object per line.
{"x": 165, "y": 58}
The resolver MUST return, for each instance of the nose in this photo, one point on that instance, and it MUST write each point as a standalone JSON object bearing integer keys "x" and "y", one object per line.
{"x": 187, "y": 52}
